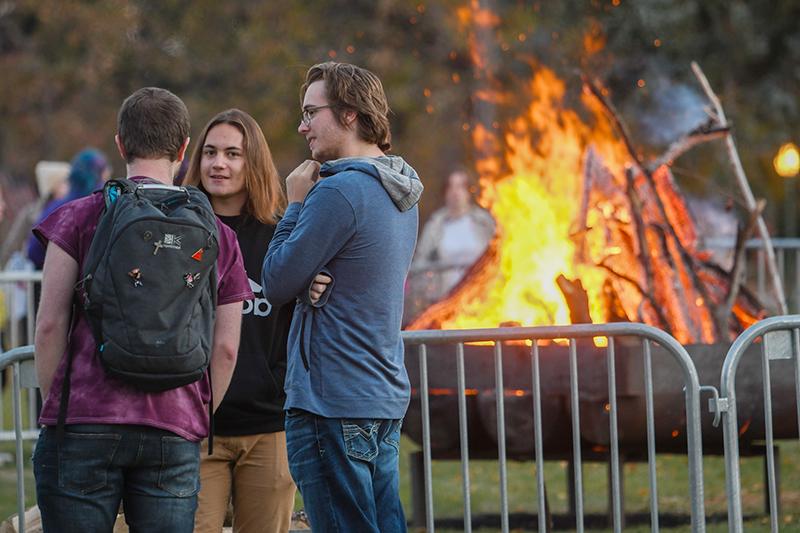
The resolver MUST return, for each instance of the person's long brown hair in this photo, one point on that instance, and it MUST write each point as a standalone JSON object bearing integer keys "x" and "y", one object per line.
{"x": 265, "y": 198}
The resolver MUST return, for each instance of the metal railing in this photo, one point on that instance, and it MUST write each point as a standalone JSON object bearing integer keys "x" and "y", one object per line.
{"x": 19, "y": 288}
{"x": 23, "y": 375}
{"x": 647, "y": 334}
{"x": 787, "y": 256}
{"x": 780, "y": 341}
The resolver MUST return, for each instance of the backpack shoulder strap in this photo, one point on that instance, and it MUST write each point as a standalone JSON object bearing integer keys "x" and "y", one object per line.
{"x": 113, "y": 188}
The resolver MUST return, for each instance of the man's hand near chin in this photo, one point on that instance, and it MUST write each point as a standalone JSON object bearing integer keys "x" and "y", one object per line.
{"x": 301, "y": 179}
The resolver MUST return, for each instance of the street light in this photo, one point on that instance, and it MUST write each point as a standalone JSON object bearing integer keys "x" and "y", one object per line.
{"x": 787, "y": 161}
{"x": 787, "y": 165}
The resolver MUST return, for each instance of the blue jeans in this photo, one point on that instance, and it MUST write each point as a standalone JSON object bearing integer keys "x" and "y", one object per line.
{"x": 79, "y": 487}
{"x": 347, "y": 471}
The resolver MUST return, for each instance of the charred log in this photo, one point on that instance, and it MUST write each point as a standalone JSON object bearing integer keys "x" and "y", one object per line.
{"x": 646, "y": 296}
{"x": 577, "y": 299}
{"x": 638, "y": 222}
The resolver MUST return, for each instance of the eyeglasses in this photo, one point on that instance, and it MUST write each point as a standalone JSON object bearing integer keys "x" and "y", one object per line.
{"x": 310, "y": 111}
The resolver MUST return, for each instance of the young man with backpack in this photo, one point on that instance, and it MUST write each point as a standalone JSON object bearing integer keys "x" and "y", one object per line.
{"x": 142, "y": 292}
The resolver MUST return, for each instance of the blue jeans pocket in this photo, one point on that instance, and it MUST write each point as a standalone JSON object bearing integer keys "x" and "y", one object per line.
{"x": 180, "y": 467}
{"x": 360, "y": 438}
{"x": 393, "y": 435}
{"x": 84, "y": 460}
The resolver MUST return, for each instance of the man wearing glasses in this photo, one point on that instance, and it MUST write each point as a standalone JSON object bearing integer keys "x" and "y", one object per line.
{"x": 352, "y": 213}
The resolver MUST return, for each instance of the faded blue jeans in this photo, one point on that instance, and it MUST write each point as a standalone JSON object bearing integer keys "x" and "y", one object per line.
{"x": 155, "y": 474}
{"x": 347, "y": 471}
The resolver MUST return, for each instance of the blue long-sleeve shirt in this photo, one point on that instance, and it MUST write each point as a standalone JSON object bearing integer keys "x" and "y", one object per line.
{"x": 359, "y": 223}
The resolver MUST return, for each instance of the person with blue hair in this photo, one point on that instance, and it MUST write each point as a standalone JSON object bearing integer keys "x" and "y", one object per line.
{"x": 88, "y": 170}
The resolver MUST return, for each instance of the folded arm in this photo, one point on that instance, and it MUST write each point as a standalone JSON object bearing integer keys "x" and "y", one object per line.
{"x": 306, "y": 239}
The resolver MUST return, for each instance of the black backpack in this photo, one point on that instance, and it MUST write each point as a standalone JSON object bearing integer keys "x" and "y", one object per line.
{"x": 149, "y": 284}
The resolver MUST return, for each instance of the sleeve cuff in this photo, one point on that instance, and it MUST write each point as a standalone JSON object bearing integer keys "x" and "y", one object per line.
{"x": 306, "y": 298}
{"x": 292, "y": 211}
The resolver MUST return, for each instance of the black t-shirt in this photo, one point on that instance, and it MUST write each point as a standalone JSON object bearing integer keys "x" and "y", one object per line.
{"x": 255, "y": 398}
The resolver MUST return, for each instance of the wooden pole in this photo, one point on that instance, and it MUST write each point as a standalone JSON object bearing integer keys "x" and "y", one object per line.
{"x": 744, "y": 188}
{"x": 737, "y": 271}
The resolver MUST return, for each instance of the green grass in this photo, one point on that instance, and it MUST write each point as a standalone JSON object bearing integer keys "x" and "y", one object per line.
{"x": 8, "y": 481}
{"x": 673, "y": 483}
{"x": 673, "y": 486}
{"x": 485, "y": 494}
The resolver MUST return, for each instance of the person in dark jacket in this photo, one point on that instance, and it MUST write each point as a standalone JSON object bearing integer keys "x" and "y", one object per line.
{"x": 233, "y": 165}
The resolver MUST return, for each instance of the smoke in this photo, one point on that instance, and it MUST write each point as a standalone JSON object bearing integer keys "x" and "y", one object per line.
{"x": 714, "y": 223}
{"x": 674, "y": 110}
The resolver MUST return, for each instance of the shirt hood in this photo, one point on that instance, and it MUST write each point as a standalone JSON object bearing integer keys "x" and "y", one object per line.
{"x": 398, "y": 178}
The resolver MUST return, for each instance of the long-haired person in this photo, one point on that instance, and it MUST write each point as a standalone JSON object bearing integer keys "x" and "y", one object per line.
{"x": 232, "y": 163}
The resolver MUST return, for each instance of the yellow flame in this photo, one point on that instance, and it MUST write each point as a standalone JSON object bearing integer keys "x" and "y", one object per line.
{"x": 535, "y": 202}
{"x": 787, "y": 161}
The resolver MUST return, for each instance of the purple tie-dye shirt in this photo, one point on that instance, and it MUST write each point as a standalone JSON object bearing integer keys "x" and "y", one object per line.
{"x": 97, "y": 398}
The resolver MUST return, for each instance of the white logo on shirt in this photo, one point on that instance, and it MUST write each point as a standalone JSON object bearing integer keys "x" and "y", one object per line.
{"x": 259, "y": 306}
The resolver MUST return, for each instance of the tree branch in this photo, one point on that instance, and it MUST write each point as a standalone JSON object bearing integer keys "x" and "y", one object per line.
{"x": 686, "y": 143}
{"x": 645, "y": 296}
{"x": 611, "y": 111}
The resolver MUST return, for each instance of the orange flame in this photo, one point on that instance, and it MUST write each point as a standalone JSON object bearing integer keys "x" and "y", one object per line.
{"x": 535, "y": 203}
{"x": 569, "y": 202}
{"x": 594, "y": 40}
{"x": 472, "y": 18}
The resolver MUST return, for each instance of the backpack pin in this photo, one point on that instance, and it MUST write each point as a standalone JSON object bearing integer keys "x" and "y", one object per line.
{"x": 190, "y": 279}
{"x": 157, "y": 245}
{"x": 136, "y": 276}
{"x": 198, "y": 255}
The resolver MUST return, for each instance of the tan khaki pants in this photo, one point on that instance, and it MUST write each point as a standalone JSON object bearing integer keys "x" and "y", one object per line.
{"x": 253, "y": 472}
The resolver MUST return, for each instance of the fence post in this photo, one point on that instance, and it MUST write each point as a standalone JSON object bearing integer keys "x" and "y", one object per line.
{"x": 789, "y": 323}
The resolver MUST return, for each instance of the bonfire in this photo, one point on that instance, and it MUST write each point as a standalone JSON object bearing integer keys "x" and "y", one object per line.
{"x": 586, "y": 230}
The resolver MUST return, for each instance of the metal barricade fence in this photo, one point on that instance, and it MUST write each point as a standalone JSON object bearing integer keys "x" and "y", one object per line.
{"x": 780, "y": 341}
{"x": 19, "y": 290}
{"x": 20, "y": 360}
{"x": 647, "y": 334}
{"x": 787, "y": 256}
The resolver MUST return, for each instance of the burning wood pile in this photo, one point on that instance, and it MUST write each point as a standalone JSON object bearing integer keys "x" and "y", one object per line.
{"x": 588, "y": 232}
